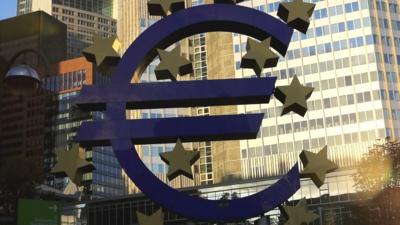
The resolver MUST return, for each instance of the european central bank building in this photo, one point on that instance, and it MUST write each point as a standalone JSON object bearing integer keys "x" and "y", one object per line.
{"x": 351, "y": 56}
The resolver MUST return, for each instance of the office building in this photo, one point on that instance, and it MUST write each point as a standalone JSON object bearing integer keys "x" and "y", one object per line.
{"x": 83, "y": 19}
{"x": 66, "y": 81}
{"x": 350, "y": 55}
{"x": 103, "y": 7}
{"x": 23, "y": 119}
{"x": 207, "y": 64}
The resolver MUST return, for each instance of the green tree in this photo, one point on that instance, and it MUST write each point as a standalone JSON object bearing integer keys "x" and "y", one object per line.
{"x": 379, "y": 169}
{"x": 19, "y": 177}
{"x": 377, "y": 179}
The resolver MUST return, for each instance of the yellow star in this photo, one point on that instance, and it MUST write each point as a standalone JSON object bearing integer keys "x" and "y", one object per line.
{"x": 316, "y": 166}
{"x": 294, "y": 97}
{"x": 104, "y": 52}
{"x": 172, "y": 64}
{"x": 296, "y": 14}
{"x": 180, "y": 161}
{"x": 259, "y": 56}
{"x": 165, "y": 7}
{"x": 299, "y": 215}
{"x": 156, "y": 219}
{"x": 228, "y": 1}
{"x": 72, "y": 163}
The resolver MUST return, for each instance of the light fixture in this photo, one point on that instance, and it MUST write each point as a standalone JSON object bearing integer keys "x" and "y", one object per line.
{"x": 22, "y": 79}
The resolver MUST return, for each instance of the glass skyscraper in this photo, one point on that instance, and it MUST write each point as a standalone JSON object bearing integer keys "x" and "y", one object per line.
{"x": 70, "y": 75}
{"x": 194, "y": 48}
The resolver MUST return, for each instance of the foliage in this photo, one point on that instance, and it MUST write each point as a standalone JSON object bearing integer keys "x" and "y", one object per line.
{"x": 378, "y": 180}
{"x": 379, "y": 169}
{"x": 18, "y": 178}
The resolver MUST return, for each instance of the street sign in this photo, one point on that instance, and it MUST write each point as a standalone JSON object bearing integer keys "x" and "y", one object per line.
{"x": 38, "y": 212}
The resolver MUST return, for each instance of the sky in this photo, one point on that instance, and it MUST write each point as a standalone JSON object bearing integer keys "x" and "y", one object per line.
{"x": 8, "y": 8}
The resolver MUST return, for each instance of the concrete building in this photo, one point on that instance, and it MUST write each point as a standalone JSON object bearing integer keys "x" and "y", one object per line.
{"x": 83, "y": 19}
{"x": 103, "y": 7}
{"x": 66, "y": 81}
{"x": 218, "y": 161}
{"x": 22, "y": 118}
{"x": 350, "y": 55}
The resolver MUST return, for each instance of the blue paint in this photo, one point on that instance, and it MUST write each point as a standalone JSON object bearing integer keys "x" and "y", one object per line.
{"x": 168, "y": 130}
{"x": 179, "y": 94}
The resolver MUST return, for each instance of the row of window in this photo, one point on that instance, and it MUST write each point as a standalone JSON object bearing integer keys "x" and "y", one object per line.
{"x": 154, "y": 151}
{"x": 381, "y": 5}
{"x": 65, "y": 81}
{"x": 313, "y": 143}
{"x": 104, "y": 158}
{"x": 103, "y": 7}
{"x": 388, "y": 58}
{"x": 333, "y": 28}
{"x": 273, "y": 7}
{"x": 104, "y": 191}
{"x": 323, "y": 66}
{"x": 109, "y": 170}
{"x": 321, "y": 31}
{"x": 157, "y": 168}
{"x": 321, "y": 123}
{"x": 329, "y": 47}
{"x": 343, "y": 100}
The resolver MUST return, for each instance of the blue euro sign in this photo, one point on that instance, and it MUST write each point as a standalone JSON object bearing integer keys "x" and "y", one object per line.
{"x": 120, "y": 95}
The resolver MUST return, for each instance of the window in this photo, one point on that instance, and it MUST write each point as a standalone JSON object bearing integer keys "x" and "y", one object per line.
{"x": 355, "y": 6}
{"x": 348, "y": 8}
{"x": 237, "y": 48}
{"x": 238, "y": 63}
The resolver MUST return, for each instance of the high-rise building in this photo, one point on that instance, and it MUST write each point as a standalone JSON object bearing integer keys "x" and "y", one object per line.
{"x": 66, "y": 81}
{"x": 83, "y": 19}
{"x": 23, "y": 119}
{"x": 350, "y": 55}
{"x": 134, "y": 19}
{"x": 103, "y": 7}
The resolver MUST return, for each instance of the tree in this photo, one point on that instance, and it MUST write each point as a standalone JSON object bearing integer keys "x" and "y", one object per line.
{"x": 378, "y": 180}
{"x": 379, "y": 169}
{"x": 18, "y": 178}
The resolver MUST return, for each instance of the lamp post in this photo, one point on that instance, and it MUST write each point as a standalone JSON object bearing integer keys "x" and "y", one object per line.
{"x": 23, "y": 79}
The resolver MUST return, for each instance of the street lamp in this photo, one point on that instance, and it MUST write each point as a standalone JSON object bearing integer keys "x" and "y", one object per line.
{"x": 23, "y": 79}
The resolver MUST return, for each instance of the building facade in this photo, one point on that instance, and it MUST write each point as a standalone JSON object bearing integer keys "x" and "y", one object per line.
{"x": 103, "y": 7}
{"x": 350, "y": 55}
{"x": 23, "y": 119}
{"x": 84, "y": 19}
{"x": 68, "y": 78}
{"x": 208, "y": 63}
{"x": 331, "y": 205}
